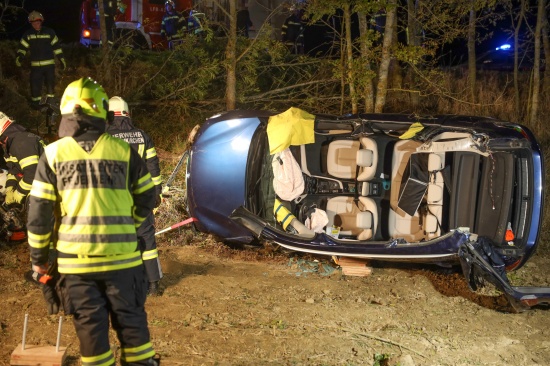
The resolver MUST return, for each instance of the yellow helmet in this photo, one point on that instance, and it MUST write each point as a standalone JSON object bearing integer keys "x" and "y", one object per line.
{"x": 34, "y": 15}
{"x": 87, "y": 96}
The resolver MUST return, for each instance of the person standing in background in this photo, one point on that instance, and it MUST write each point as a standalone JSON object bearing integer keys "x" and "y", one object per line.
{"x": 123, "y": 127}
{"x": 43, "y": 45}
{"x": 244, "y": 24}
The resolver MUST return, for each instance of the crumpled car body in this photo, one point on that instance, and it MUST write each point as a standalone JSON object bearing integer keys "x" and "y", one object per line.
{"x": 394, "y": 187}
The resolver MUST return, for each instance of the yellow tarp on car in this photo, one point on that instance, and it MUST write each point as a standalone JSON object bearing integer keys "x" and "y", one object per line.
{"x": 292, "y": 127}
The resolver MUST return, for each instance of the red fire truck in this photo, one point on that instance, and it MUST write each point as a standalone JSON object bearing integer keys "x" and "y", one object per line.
{"x": 138, "y": 19}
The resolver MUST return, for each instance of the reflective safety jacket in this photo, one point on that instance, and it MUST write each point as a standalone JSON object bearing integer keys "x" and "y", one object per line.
{"x": 21, "y": 152}
{"x": 43, "y": 46}
{"x": 292, "y": 31}
{"x": 171, "y": 24}
{"x": 103, "y": 195}
{"x": 123, "y": 128}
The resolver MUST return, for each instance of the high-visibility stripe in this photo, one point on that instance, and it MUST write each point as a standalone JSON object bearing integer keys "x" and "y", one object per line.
{"x": 141, "y": 149}
{"x": 43, "y": 63}
{"x": 144, "y": 183}
{"x": 150, "y": 254}
{"x": 24, "y": 186}
{"x": 28, "y": 161}
{"x": 83, "y": 264}
{"x": 25, "y": 43}
{"x": 38, "y": 241}
{"x": 134, "y": 354}
{"x": 157, "y": 180}
{"x": 151, "y": 153}
{"x": 97, "y": 220}
{"x": 92, "y": 239}
{"x": 105, "y": 359}
{"x": 11, "y": 159}
{"x": 43, "y": 190}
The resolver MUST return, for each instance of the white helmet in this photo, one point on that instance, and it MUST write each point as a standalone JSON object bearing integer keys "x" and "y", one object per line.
{"x": 3, "y": 180}
{"x": 5, "y": 121}
{"x": 119, "y": 106}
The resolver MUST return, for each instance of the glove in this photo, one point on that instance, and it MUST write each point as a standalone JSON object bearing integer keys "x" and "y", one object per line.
{"x": 64, "y": 64}
{"x": 17, "y": 61}
{"x": 52, "y": 298}
{"x": 8, "y": 195}
{"x": 14, "y": 198}
{"x": 159, "y": 200}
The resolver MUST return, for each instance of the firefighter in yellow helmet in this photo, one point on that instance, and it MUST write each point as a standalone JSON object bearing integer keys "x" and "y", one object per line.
{"x": 103, "y": 192}
{"x": 43, "y": 46}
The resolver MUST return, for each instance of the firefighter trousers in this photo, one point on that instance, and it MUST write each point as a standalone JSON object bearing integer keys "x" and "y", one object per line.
{"x": 93, "y": 298}
{"x": 148, "y": 246}
{"x": 39, "y": 76}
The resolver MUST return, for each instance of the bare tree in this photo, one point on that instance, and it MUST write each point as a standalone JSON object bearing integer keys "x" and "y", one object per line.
{"x": 231, "y": 58}
{"x": 102, "y": 25}
{"x": 536, "y": 65}
{"x": 365, "y": 47}
{"x": 349, "y": 57}
{"x": 383, "y": 73}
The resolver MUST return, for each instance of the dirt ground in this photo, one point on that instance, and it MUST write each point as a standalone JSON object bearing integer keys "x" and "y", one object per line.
{"x": 223, "y": 306}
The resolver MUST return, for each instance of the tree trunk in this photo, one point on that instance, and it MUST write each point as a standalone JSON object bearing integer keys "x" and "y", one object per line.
{"x": 414, "y": 39}
{"x": 369, "y": 89}
{"x": 102, "y": 24}
{"x": 231, "y": 58}
{"x": 472, "y": 71}
{"x": 349, "y": 53}
{"x": 382, "y": 87}
{"x": 536, "y": 65}
{"x": 516, "y": 57}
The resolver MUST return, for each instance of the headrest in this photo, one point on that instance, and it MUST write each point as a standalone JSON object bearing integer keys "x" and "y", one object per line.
{"x": 434, "y": 162}
{"x": 364, "y": 157}
{"x": 364, "y": 220}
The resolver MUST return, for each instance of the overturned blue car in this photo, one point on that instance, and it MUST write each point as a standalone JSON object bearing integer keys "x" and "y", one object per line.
{"x": 442, "y": 189}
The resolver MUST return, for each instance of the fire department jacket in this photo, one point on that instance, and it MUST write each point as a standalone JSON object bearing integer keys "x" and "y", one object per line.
{"x": 43, "y": 45}
{"x": 171, "y": 24}
{"x": 103, "y": 195}
{"x": 21, "y": 152}
{"x": 123, "y": 128}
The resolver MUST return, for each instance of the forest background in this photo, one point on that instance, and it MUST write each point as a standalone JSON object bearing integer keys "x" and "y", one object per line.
{"x": 405, "y": 56}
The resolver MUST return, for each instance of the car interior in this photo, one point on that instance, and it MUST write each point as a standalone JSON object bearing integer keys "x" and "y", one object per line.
{"x": 382, "y": 188}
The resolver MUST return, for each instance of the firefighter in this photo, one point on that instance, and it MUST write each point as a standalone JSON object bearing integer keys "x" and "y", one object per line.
{"x": 292, "y": 31}
{"x": 43, "y": 46}
{"x": 21, "y": 149}
{"x": 103, "y": 191}
{"x": 123, "y": 127}
{"x": 173, "y": 24}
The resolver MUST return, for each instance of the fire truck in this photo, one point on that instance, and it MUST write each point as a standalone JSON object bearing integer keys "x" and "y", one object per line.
{"x": 139, "y": 20}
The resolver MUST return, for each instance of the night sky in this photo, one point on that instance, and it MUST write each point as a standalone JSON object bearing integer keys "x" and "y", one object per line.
{"x": 60, "y": 15}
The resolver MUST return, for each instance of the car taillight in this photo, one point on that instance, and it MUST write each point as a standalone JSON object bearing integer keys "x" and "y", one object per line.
{"x": 86, "y": 33}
